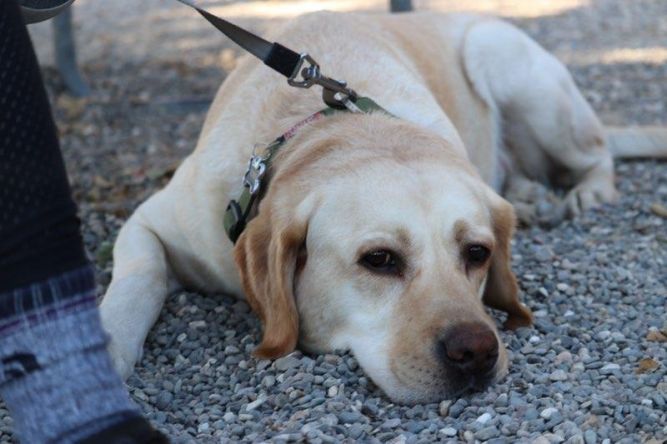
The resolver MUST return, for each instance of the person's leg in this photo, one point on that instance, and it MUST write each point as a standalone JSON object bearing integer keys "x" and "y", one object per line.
{"x": 56, "y": 376}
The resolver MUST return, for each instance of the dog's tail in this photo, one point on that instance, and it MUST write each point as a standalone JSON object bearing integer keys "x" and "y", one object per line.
{"x": 643, "y": 141}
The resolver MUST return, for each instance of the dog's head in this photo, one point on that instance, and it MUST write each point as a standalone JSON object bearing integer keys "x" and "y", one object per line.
{"x": 379, "y": 237}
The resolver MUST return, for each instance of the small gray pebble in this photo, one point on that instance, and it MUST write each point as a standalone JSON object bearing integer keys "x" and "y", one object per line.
{"x": 286, "y": 363}
{"x": 458, "y": 407}
{"x": 164, "y": 400}
{"x": 558, "y": 375}
{"x": 487, "y": 433}
{"x": 443, "y": 408}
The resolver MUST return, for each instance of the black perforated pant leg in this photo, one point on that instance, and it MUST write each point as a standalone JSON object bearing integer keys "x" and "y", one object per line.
{"x": 39, "y": 228}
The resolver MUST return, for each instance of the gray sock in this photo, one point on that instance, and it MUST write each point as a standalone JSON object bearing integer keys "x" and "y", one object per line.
{"x": 56, "y": 376}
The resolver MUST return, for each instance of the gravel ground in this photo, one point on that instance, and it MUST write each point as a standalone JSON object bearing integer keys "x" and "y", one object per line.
{"x": 593, "y": 368}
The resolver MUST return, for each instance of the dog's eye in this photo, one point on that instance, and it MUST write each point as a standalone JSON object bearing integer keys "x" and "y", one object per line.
{"x": 381, "y": 261}
{"x": 476, "y": 254}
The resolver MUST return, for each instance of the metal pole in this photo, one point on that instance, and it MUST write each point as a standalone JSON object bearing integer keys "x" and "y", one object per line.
{"x": 66, "y": 54}
{"x": 400, "y": 5}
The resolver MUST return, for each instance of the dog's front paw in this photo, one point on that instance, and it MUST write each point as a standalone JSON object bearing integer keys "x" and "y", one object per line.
{"x": 123, "y": 358}
{"x": 534, "y": 203}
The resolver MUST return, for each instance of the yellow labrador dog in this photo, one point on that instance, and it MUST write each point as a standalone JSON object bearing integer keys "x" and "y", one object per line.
{"x": 382, "y": 234}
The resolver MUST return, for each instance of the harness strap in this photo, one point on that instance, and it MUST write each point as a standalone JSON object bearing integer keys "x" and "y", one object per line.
{"x": 238, "y": 212}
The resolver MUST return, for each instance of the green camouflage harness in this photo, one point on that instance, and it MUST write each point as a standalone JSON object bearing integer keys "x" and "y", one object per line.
{"x": 238, "y": 212}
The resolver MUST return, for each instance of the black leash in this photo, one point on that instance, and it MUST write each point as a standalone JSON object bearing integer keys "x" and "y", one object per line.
{"x": 287, "y": 62}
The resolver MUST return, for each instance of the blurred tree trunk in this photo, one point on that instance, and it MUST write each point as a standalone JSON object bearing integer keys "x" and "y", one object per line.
{"x": 400, "y": 5}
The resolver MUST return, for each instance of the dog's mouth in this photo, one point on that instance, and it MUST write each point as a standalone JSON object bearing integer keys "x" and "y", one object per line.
{"x": 442, "y": 384}
{"x": 481, "y": 383}
{"x": 470, "y": 384}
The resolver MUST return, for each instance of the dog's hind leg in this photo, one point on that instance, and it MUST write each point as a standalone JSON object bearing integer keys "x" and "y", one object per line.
{"x": 136, "y": 294}
{"x": 551, "y": 133}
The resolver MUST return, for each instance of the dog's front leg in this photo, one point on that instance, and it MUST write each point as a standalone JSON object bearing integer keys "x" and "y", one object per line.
{"x": 533, "y": 202}
{"x": 136, "y": 294}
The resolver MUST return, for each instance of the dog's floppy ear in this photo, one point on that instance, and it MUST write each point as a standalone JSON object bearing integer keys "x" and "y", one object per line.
{"x": 266, "y": 256}
{"x": 502, "y": 291}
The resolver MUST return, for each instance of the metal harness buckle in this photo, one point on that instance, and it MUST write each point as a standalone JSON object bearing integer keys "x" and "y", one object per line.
{"x": 254, "y": 174}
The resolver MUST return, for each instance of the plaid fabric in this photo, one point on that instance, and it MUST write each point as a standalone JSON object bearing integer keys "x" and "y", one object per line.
{"x": 40, "y": 302}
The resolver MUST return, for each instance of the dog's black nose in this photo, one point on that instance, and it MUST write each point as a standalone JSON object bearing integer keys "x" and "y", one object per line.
{"x": 470, "y": 347}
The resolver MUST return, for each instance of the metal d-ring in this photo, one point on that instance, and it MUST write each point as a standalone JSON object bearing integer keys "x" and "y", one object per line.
{"x": 309, "y": 74}
{"x": 336, "y": 92}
